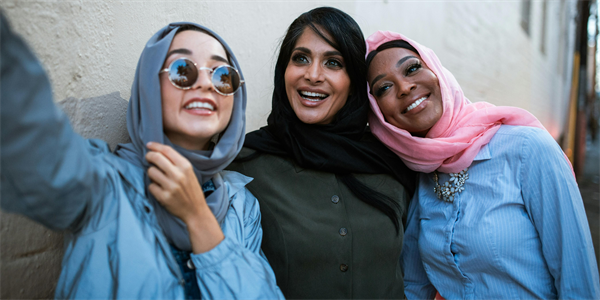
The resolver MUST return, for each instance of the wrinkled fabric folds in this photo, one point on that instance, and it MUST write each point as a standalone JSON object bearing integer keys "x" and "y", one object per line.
{"x": 453, "y": 142}
{"x": 144, "y": 124}
{"x": 344, "y": 146}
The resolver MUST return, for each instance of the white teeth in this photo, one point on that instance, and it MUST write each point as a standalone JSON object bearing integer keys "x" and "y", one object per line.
{"x": 311, "y": 94}
{"x": 415, "y": 104}
{"x": 199, "y": 105}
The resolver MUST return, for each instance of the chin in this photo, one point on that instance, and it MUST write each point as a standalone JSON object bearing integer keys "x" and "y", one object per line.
{"x": 311, "y": 120}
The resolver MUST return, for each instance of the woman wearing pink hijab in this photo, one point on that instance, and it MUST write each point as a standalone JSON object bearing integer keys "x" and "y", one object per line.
{"x": 497, "y": 214}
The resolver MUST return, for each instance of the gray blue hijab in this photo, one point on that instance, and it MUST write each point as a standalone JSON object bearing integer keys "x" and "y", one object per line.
{"x": 145, "y": 124}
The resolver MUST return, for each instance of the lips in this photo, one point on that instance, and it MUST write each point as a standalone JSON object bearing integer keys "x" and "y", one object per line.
{"x": 415, "y": 104}
{"x": 200, "y": 104}
{"x": 312, "y": 96}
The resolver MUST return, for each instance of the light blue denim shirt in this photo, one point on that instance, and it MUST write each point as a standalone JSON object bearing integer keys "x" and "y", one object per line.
{"x": 517, "y": 231}
{"x": 115, "y": 249}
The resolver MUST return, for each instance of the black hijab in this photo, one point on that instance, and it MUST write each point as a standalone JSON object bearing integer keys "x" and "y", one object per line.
{"x": 345, "y": 145}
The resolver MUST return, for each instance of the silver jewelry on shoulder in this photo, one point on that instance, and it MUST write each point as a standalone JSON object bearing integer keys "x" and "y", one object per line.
{"x": 451, "y": 187}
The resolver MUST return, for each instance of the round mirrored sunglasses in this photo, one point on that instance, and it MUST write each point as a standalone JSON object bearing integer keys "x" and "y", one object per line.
{"x": 183, "y": 74}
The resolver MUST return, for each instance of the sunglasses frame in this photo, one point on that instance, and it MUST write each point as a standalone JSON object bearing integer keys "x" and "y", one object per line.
{"x": 211, "y": 72}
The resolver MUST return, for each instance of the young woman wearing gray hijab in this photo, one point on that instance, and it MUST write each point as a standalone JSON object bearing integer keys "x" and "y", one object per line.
{"x": 140, "y": 225}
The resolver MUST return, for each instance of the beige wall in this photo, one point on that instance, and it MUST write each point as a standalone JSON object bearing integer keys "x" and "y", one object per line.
{"x": 91, "y": 48}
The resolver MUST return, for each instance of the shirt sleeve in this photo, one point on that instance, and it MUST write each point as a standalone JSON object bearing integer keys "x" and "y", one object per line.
{"x": 47, "y": 172}
{"x": 237, "y": 268}
{"x": 416, "y": 282}
{"x": 554, "y": 204}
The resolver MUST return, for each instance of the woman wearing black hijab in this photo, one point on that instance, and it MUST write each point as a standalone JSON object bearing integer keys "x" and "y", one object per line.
{"x": 332, "y": 197}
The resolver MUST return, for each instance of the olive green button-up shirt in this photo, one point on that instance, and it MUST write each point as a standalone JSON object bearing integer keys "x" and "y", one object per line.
{"x": 321, "y": 240}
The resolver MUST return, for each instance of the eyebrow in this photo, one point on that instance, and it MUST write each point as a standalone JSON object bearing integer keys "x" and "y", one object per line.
{"x": 398, "y": 64}
{"x": 219, "y": 58}
{"x": 401, "y": 61}
{"x": 188, "y": 52}
{"x": 180, "y": 50}
{"x": 327, "y": 53}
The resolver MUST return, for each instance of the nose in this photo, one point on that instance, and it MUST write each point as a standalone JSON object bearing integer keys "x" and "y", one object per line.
{"x": 314, "y": 73}
{"x": 405, "y": 87}
{"x": 203, "y": 82}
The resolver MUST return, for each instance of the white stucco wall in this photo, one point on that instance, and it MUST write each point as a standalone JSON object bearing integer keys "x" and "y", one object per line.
{"x": 90, "y": 50}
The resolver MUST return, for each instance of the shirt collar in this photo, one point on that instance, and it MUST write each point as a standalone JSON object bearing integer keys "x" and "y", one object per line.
{"x": 484, "y": 153}
{"x": 235, "y": 180}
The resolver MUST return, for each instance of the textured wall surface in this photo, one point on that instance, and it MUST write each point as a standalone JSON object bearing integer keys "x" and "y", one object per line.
{"x": 102, "y": 117}
{"x": 483, "y": 45}
{"x": 90, "y": 50}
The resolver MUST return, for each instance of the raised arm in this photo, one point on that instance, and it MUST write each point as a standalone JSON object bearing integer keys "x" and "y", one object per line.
{"x": 46, "y": 170}
{"x": 555, "y": 206}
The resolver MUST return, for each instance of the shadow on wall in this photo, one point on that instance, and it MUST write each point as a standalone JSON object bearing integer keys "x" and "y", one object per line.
{"x": 103, "y": 117}
{"x": 31, "y": 255}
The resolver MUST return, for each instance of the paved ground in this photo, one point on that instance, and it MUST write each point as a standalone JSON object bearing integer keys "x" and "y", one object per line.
{"x": 590, "y": 190}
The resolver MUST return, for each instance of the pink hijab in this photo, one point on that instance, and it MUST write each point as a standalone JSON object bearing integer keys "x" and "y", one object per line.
{"x": 464, "y": 128}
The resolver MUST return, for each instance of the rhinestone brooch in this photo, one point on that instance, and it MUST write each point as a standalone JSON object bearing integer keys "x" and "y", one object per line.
{"x": 451, "y": 187}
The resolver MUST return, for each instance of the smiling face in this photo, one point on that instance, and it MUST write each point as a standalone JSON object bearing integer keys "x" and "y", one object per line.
{"x": 192, "y": 117}
{"x": 316, "y": 82}
{"x": 407, "y": 91}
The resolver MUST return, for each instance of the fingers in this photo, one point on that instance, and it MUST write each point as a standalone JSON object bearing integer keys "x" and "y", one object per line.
{"x": 163, "y": 188}
{"x": 158, "y": 193}
{"x": 170, "y": 153}
{"x": 158, "y": 177}
{"x": 162, "y": 163}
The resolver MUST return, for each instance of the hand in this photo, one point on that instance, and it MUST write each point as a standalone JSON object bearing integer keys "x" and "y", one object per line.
{"x": 174, "y": 183}
{"x": 176, "y": 187}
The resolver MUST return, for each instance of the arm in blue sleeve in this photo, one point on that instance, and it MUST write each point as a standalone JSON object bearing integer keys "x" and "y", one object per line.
{"x": 555, "y": 206}
{"x": 46, "y": 171}
{"x": 237, "y": 268}
{"x": 416, "y": 283}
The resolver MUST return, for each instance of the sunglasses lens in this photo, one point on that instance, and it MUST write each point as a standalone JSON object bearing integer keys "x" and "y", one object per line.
{"x": 183, "y": 73}
{"x": 226, "y": 80}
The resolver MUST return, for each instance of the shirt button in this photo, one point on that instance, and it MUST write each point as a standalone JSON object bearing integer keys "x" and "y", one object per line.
{"x": 181, "y": 282}
{"x": 335, "y": 199}
{"x": 343, "y": 231}
{"x": 147, "y": 209}
{"x": 190, "y": 264}
{"x": 343, "y": 267}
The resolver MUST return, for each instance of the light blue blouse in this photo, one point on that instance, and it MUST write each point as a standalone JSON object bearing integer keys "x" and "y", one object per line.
{"x": 518, "y": 230}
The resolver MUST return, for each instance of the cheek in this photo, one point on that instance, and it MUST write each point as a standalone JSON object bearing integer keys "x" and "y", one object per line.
{"x": 289, "y": 79}
{"x": 342, "y": 88}
{"x": 386, "y": 106}
{"x": 291, "y": 75}
{"x": 433, "y": 81}
{"x": 166, "y": 108}
{"x": 168, "y": 96}
{"x": 227, "y": 109}
{"x": 439, "y": 104}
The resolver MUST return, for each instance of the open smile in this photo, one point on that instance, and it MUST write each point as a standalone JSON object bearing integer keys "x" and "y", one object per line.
{"x": 415, "y": 104}
{"x": 312, "y": 96}
{"x": 198, "y": 106}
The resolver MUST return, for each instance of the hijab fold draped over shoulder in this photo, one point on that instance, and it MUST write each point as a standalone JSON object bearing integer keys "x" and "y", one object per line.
{"x": 145, "y": 124}
{"x": 345, "y": 146}
{"x": 453, "y": 142}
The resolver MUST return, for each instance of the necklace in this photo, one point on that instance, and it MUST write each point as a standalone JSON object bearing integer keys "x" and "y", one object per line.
{"x": 447, "y": 191}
